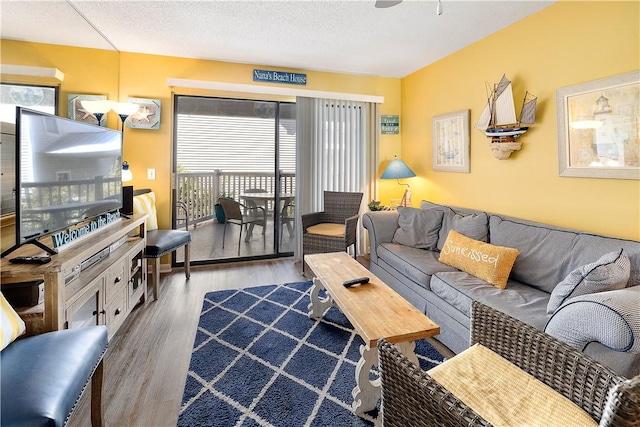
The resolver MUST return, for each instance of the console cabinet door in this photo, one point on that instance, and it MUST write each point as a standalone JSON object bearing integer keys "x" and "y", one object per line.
{"x": 88, "y": 309}
{"x": 137, "y": 270}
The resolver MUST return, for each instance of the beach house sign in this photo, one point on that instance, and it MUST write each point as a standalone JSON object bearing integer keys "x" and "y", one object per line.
{"x": 279, "y": 77}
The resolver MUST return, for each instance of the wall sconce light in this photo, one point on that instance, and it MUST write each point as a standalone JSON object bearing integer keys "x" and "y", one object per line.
{"x": 127, "y": 175}
{"x": 98, "y": 107}
{"x": 124, "y": 110}
{"x": 397, "y": 169}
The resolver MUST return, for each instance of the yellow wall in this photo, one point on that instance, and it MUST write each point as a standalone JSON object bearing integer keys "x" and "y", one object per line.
{"x": 562, "y": 45}
{"x": 145, "y": 76}
{"x": 86, "y": 71}
{"x": 123, "y": 75}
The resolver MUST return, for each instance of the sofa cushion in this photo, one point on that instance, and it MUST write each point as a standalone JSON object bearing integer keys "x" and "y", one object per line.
{"x": 558, "y": 249}
{"x": 418, "y": 228}
{"x": 11, "y": 325}
{"x": 416, "y": 264}
{"x": 471, "y": 223}
{"x": 539, "y": 245}
{"x": 488, "y": 262}
{"x": 518, "y": 300}
{"x": 611, "y": 318}
{"x": 610, "y": 272}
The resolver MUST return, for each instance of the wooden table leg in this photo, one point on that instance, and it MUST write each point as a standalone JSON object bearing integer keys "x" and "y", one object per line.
{"x": 366, "y": 393}
{"x": 318, "y": 304}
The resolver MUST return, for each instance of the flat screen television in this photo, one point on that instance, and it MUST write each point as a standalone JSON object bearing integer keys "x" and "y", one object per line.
{"x": 66, "y": 172}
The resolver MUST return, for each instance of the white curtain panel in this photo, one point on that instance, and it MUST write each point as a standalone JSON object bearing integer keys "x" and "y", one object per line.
{"x": 336, "y": 150}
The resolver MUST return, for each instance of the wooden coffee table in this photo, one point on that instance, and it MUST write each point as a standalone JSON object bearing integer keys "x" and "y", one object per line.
{"x": 375, "y": 310}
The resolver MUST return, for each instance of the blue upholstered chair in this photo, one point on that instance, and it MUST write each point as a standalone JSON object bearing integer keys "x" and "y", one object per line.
{"x": 42, "y": 377}
{"x": 160, "y": 242}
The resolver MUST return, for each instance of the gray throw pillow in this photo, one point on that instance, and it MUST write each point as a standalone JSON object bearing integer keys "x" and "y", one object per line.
{"x": 608, "y": 273}
{"x": 418, "y": 228}
{"x": 474, "y": 225}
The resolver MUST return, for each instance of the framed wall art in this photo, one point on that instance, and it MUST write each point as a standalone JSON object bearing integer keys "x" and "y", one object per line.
{"x": 599, "y": 128}
{"x": 77, "y": 112}
{"x": 148, "y": 115}
{"x": 450, "y": 136}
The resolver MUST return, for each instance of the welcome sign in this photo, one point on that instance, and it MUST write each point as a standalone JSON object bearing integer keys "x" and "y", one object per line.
{"x": 279, "y": 77}
{"x": 71, "y": 234}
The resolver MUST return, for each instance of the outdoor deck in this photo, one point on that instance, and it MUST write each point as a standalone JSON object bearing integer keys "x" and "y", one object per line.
{"x": 206, "y": 244}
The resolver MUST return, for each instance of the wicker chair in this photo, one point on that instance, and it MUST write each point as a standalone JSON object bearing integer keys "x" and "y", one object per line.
{"x": 410, "y": 397}
{"x": 335, "y": 228}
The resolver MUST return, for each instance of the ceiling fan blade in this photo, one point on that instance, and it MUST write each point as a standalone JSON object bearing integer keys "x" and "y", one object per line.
{"x": 381, "y": 4}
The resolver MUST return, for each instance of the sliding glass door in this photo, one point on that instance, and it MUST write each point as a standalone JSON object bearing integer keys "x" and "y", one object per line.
{"x": 243, "y": 151}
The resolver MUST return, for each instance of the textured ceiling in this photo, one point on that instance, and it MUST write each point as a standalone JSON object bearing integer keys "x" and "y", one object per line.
{"x": 339, "y": 36}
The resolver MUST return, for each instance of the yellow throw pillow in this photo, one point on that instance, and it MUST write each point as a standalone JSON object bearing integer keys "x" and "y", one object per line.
{"x": 146, "y": 203}
{"x": 482, "y": 260}
{"x": 11, "y": 325}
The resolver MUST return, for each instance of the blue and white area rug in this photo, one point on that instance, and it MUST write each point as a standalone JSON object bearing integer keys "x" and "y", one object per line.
{"x": 259, "y": 360}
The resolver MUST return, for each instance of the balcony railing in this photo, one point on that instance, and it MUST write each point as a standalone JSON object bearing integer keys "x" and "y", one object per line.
{"x": 200, "y": 191}
{"x": 39, "y": 194}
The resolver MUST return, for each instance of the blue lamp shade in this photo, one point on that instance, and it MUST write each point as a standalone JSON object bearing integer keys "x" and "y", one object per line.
{"x": 397, "y": 169}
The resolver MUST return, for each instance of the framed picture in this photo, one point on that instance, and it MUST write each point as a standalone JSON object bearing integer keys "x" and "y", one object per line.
{"x": 148, "y": 115}
{"x": 451, "y": 142}
{"x": 599, "y": 128}
{"x": 77, "y": 112}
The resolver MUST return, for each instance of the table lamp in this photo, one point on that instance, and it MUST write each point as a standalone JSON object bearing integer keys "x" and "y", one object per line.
{"x": 397, "y": 169}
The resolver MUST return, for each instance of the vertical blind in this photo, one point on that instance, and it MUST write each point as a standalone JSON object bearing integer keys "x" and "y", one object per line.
{"x": 336, "y": 151}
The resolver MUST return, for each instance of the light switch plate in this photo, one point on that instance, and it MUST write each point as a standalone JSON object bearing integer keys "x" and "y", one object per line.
{"x": 151, "y": 174}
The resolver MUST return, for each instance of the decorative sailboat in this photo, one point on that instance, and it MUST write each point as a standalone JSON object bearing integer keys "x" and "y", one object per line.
{"x": 498, "y": 119}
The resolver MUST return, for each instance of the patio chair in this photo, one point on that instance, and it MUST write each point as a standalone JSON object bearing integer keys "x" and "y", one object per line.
{"x": 251, "y": 203}
{"x": 233, "y": 214}
{"x": 287, "y": 217}
{"x": 335, "y": 228}
{"x": 412, "y": 397}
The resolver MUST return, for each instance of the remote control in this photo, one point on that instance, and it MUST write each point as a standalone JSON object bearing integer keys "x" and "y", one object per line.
{"x": 358, "y": 281}
{"x": 30, "y": 260}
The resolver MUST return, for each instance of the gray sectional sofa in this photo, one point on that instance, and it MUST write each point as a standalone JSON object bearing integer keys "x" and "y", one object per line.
{"x": 580, "y": 287}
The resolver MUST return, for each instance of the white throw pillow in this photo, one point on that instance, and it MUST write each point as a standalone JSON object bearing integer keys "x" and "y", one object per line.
{"x": 610, "y": 272}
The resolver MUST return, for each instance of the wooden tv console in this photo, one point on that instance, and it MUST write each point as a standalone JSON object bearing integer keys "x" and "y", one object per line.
{"x": 97, "y": 280}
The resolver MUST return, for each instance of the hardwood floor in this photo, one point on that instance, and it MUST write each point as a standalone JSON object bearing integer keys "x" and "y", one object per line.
{"x": 148, "y": 358}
